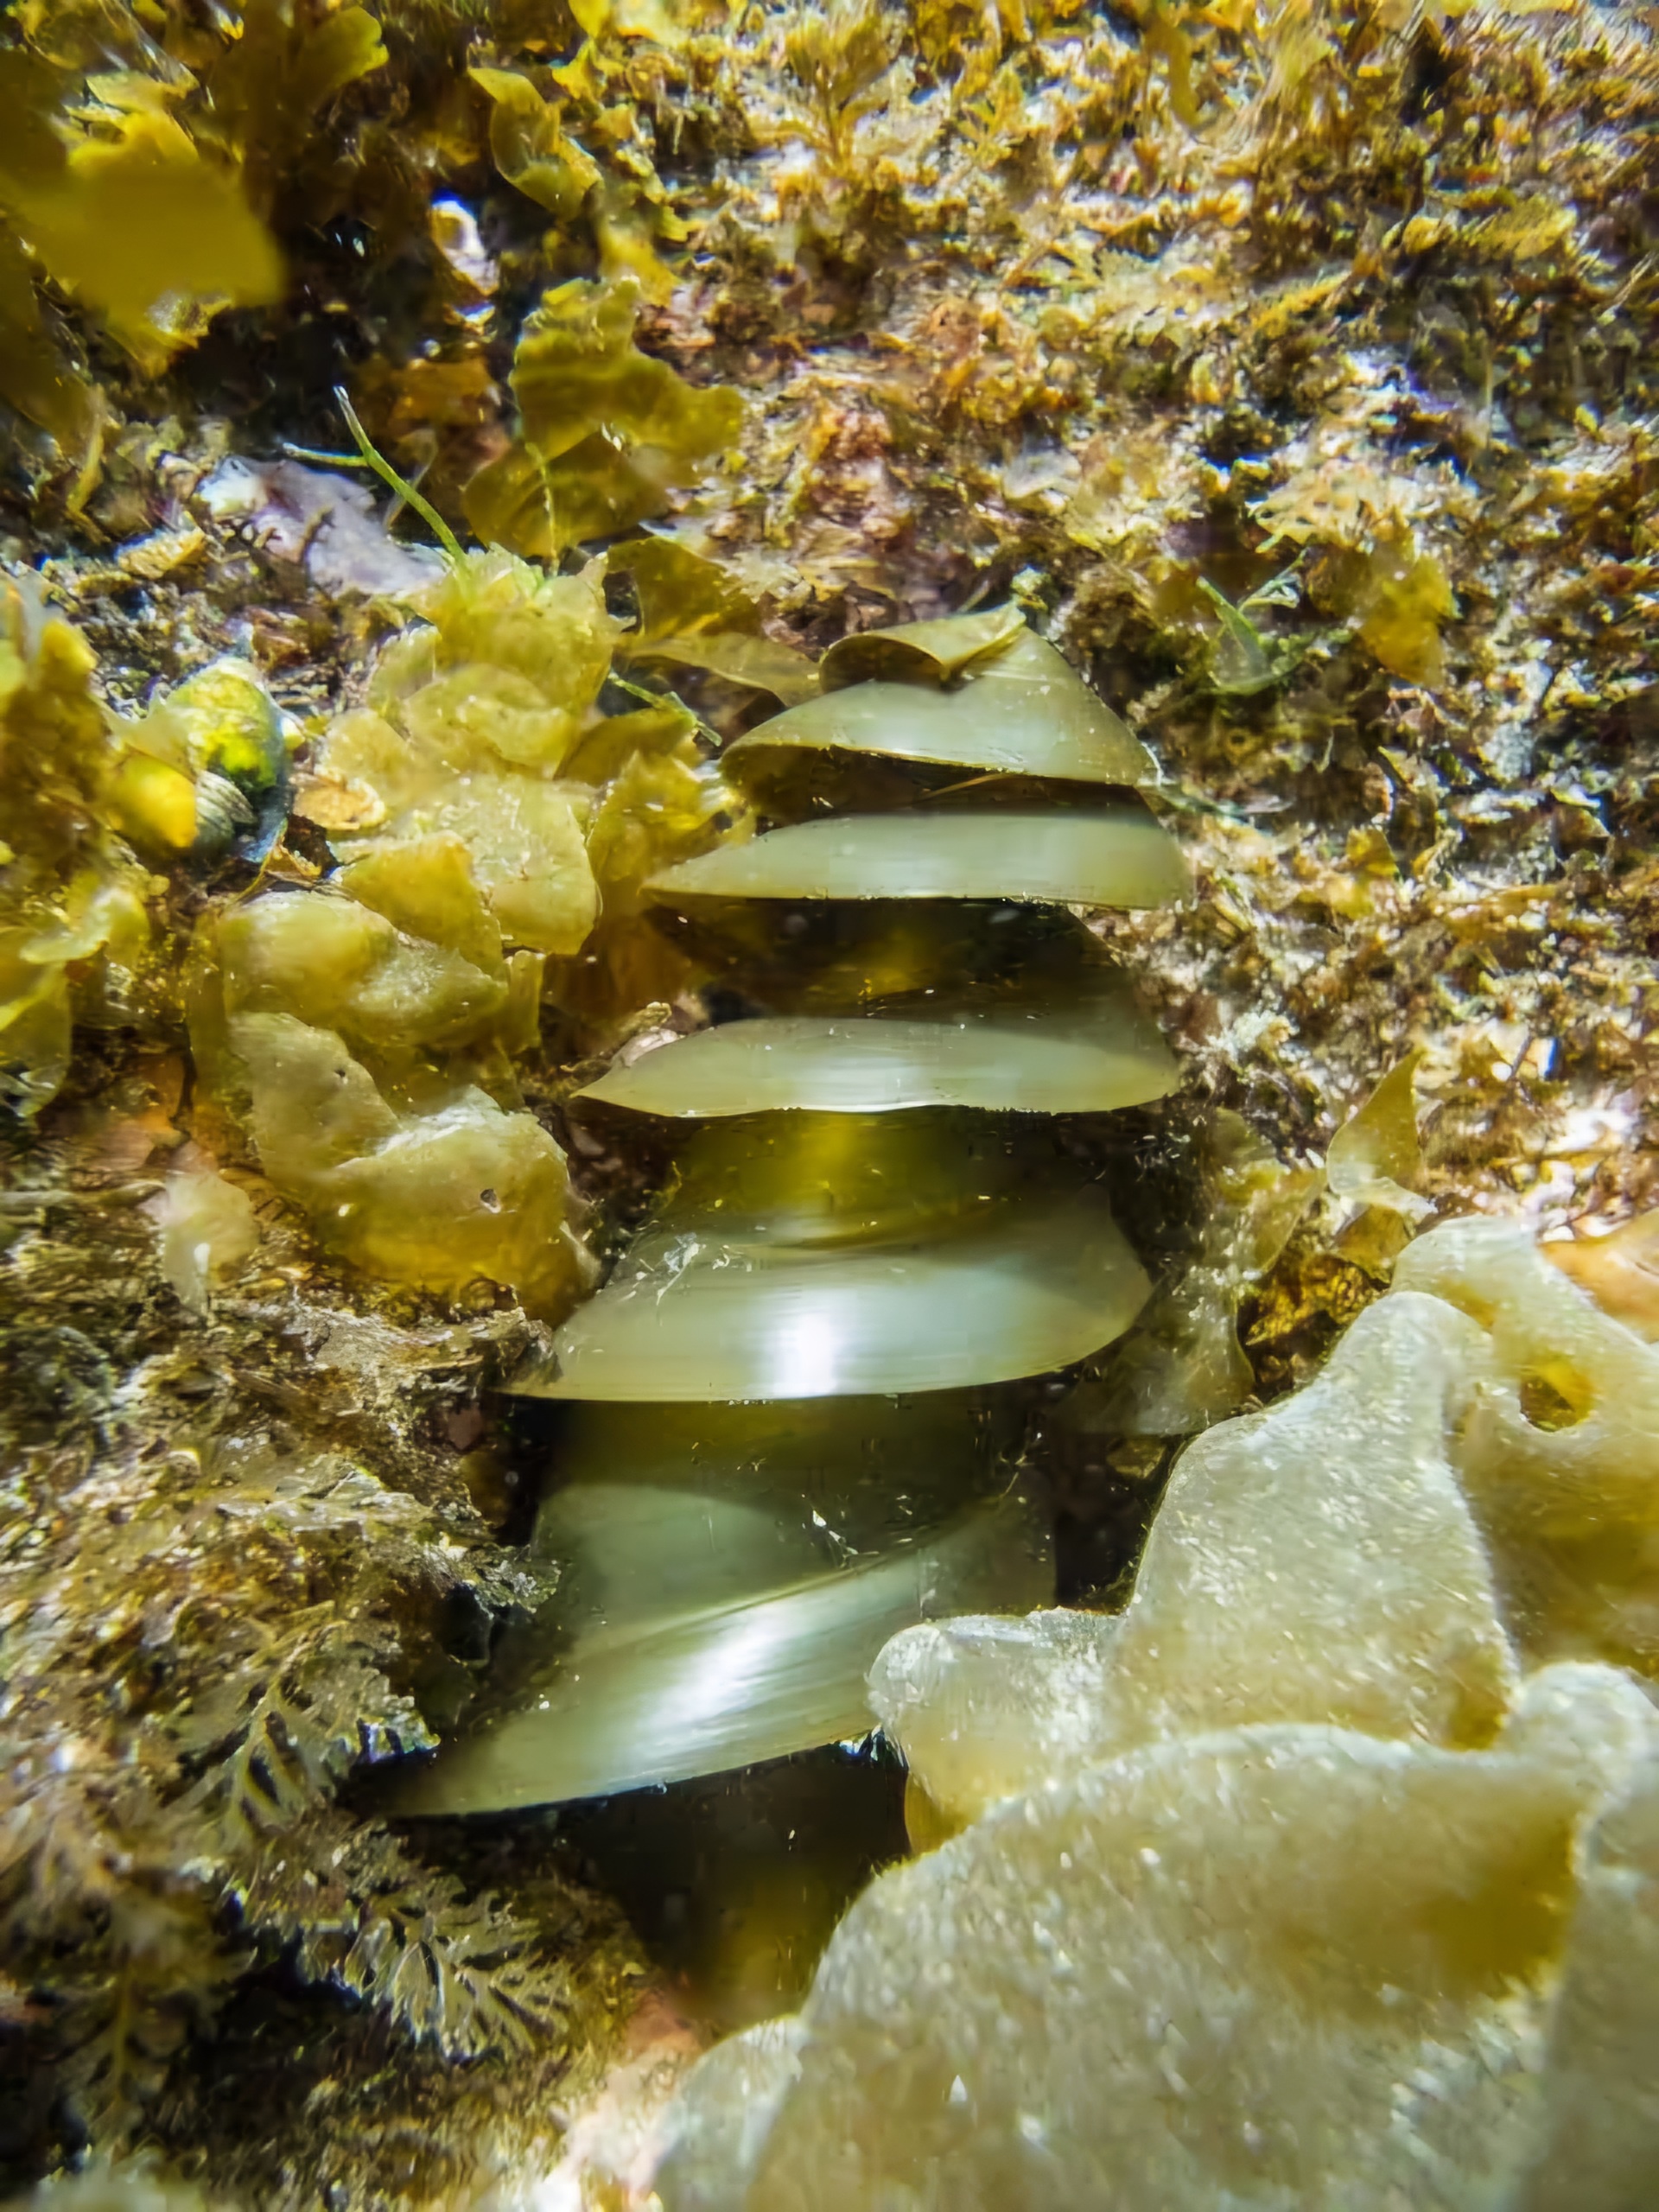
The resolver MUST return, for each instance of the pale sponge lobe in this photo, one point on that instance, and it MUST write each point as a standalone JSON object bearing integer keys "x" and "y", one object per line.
{"x": 336, "y": 964}
{"x": 1602, "y": 2071}
{"x": 1560, "y": 1454}
{"x": 364, "y": 1032}
{"x": 483, "y": 725}
{"x": 1288, "y": 1890}
{"x": 1277, "y": 1967}
{"x": 1314, "y": 1563}
{"x": 472, "y": 717}
{"x": 208, "y": 1229}
{"x": 436, "y": 1199}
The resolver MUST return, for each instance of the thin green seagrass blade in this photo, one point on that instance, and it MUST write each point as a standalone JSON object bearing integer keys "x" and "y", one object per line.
{"x": 1078, "y": 1053}
{"x": 1022, "y": 711}
{"x": 1115, "y": 856}
{"x": 1031, "y": 1281}
{"x": 772, "y": 1660}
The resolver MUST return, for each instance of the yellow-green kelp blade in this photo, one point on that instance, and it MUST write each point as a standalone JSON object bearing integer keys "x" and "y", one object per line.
{"x": 748, "y": 1651}
{"x": 1029, "y": 1282}
{"x": 1024, "y": 712}
{"x": 1083, "y": 1055}
{"x": 1113, "y": 856}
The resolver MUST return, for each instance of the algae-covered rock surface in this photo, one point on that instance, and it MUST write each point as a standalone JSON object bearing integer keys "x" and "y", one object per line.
{"x": 433, "y": 436}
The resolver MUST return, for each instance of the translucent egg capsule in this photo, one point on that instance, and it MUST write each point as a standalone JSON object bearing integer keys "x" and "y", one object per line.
{"x": 1022, "y": 710}
{"x": 1072, "y": 1053}
{"x": 793, "y": 1426}
{"x": 1105, "y": 856}
{"x": 722, "y": 1570}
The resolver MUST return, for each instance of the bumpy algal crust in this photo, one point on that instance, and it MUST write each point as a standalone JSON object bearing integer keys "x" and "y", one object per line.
{"x": 1290, "y": 1884}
